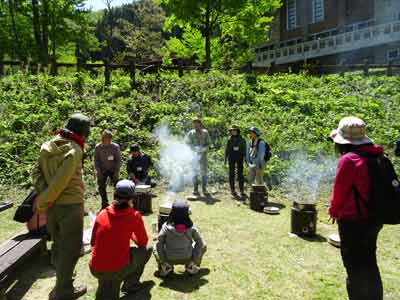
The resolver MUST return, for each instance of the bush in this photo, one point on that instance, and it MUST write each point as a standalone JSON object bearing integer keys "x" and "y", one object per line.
{"x": 294, "y": 112}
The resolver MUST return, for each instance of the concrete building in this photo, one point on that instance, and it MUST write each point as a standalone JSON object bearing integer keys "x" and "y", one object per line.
{"x": 333, "y": 32}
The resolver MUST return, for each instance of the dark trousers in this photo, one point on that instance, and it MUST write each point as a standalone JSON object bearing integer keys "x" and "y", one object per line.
{"x": 65, "y": 225}
{"x": 110, "y": 282}
{"x": 102, "y": 184}
{"x": 358, "y": 250}
{"x": 204, "y": 180}
{"x": 236, "y": 165}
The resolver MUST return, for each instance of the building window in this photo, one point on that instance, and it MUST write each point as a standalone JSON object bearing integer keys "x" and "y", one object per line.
{"x": 393, "y": 54}
{"x": 318, "y": 14}
{"x": 291, "y": 14}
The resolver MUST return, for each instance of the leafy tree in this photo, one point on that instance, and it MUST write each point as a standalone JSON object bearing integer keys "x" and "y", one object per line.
{"x": 15, "y": 30}
{"x": 232, "y": 22}
{"x": 35, "y": 29}
{"x": 131, "y": 32}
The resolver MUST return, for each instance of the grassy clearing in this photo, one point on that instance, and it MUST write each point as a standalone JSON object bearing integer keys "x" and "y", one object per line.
{"x": 250, "y": 256}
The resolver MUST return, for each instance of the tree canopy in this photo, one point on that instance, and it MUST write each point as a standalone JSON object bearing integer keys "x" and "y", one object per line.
{"x": 230, "y": 28}
{"x": 222, "y": 32}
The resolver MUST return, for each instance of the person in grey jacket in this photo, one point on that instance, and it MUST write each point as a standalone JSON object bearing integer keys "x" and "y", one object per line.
{"x": 175, "y": 242}
{"x": 255, "y": 157}
{"x": 107, "y": 161}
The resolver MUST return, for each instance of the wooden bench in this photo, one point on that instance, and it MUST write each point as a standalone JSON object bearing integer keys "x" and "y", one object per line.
{"x": 14, "y": 253}
{"x": 5, "y": 205}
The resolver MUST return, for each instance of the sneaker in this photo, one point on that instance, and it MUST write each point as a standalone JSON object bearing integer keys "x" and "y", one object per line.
{"x": 78, "y": 291}
{"x": 242, "y": 194}
{"x": 196, "y": 193}
{"x": 164, "y": 270}
{"x": 233, "y": 193}
{"x": 192, "y": 268}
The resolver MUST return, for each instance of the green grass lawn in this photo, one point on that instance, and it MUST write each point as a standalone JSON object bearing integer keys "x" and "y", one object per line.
{"x": 250, "y": 256}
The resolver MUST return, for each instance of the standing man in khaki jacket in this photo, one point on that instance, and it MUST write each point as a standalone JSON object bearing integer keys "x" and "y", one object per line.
{"x": 58, "y": 181}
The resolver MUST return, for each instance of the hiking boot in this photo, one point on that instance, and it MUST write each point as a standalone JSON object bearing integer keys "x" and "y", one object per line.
{"x": 233, "y": 193}
{"x": 132, "y": 289}
{"x": 196, "y": 193}
{"x": 164, "y": 270}
{"x": 192, "y": 268}
{"x": 205, "y": 192}
{"x": 242, "y": 194}
{"x": 78, "y": 291}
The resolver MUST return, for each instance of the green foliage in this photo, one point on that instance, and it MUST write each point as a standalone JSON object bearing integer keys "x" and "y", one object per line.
{"x": 132, "y": 32}
{"x": 294, "y": 112}
{"x": 32, "y": 30}
{"x": 230, "y": 28}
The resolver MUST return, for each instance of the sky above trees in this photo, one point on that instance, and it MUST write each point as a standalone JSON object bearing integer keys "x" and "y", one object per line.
{"x": 99, "y": 4}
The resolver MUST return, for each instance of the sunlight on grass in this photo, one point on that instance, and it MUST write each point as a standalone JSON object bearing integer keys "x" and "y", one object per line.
{"x": 250, "y": 256}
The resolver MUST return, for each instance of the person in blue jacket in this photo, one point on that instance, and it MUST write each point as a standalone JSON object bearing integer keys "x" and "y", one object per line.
{"x": 255, "y": 157}
{"x": 397, "y": 148}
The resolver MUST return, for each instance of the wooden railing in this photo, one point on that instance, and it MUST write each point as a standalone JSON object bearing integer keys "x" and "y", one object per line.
{"x": 344, "y": 42}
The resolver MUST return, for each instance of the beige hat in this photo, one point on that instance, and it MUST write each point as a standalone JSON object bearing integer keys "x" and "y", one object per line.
{"x": 351, "y": 130}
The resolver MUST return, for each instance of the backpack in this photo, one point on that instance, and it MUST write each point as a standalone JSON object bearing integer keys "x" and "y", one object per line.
{"x": 25, "y": 210}
{"x": 384, "y": 201}
{"x": 268, "y": 153}
{"x": 26, "y": 213}
{"x": 397, "y": 148}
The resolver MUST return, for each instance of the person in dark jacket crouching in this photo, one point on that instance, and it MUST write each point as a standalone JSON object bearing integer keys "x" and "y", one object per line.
{"x": 348, "y": 206}
{"x": 138, "y": 167}
{"x": 175, "y": 242}
{"x": 113, "y": 260}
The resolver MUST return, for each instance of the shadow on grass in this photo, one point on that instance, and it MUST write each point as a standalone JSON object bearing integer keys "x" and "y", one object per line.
{"x": 26, "y": 276}
{"x": 209, "y": 199}
{"x": 316, "y": 238}
{"x": 143, "y": 294}
{"x": 185, "y": 283}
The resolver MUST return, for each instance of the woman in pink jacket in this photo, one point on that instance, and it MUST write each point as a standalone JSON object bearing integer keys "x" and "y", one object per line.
{"x": 349, "y": 207}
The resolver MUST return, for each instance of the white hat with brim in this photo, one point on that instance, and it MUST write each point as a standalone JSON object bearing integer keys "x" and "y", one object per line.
{"x": 351, "y": 131}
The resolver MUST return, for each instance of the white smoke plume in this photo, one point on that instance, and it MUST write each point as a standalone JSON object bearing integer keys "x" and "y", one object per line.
{"x": 177, "y": 161}
{"x": 306, "y": 178}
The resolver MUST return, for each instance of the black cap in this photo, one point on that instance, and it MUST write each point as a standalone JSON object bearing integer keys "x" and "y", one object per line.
{"x": 134, "y": 147}
{"x": 124, "y": 189}
{"x": 79, "y": 124}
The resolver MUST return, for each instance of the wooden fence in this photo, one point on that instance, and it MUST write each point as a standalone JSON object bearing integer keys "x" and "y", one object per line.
{"x": 157, "y": 67}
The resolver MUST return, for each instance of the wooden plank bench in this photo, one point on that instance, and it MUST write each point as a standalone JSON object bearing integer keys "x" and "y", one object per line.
{"x": 14, "y": 253}
{"x": 5, "y": 205}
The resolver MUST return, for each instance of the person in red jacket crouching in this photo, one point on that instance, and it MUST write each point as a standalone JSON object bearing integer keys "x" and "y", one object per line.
{"x": 349, "y": 207}
{"x": 113, "y": 260}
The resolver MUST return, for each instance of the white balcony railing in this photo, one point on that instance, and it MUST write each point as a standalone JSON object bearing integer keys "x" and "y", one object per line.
{"x": 368, "y": 37}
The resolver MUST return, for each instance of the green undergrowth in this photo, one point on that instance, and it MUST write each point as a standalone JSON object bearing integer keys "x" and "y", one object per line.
{"x": 295, "y": 112}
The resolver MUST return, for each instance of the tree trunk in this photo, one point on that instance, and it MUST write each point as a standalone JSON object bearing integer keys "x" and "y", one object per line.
{"x": 207, "y": 33}
{"x": 53, "y": 70}
{"x": 1, "y": 64}
{"x": 17, "y": 46}
{"x": 36, "y": 30}
{"x": 45, "y": 31}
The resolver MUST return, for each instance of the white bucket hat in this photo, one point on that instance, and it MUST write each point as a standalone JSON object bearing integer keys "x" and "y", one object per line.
{"x": 351, "y": 130}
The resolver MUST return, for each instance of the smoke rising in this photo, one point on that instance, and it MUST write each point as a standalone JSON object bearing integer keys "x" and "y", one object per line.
{"x": 177, "y": 160}
{"x": 306, "y": 178}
